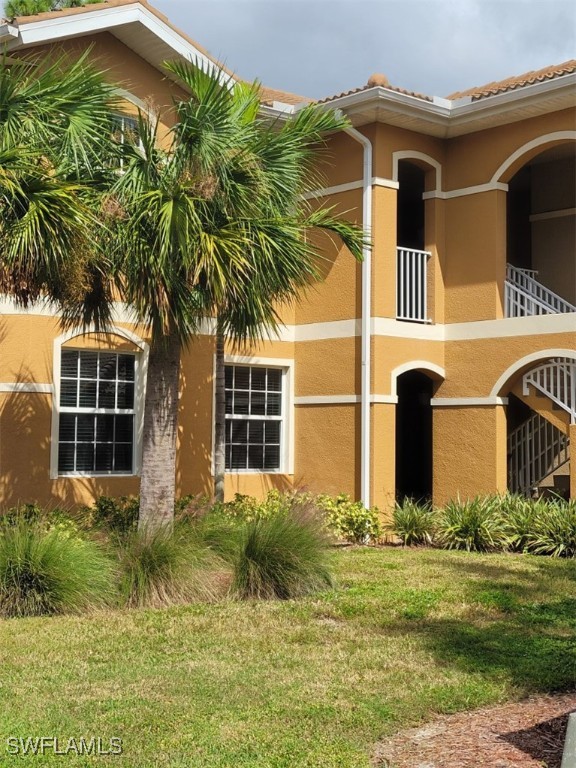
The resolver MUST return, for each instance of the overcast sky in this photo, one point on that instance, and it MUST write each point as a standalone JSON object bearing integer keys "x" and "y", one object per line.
{"x": 320, "y": 47}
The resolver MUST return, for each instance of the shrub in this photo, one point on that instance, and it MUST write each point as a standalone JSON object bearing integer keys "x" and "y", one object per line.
{"x": 118, "y": 515}
{"x": 47, "y": 519}
{"x": 47, "y": 571}
{"x": 474, "y": 525}
{"x": 282, "y": 556}
{"x": 412, "y": 522}
{"x": 350, "y": 519}
{"x": 518, "y": 517}
{"x": 168, "y": 567}
{"x": 553, "y": 530}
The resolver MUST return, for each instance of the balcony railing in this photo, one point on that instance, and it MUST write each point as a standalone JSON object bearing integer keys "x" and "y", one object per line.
{"x": 525, "y": 296}
{"x": 412, "y": 285}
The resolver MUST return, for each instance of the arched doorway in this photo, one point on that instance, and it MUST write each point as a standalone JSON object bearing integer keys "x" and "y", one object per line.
{"x": 414, "y": 459}
{"x": 541, "y": 233}
{"x": 541, "y": 412}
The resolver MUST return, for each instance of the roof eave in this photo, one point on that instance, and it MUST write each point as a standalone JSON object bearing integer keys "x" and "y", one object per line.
{"x": 38, "y": 32}
{"x": 452, "y": 118}
{"x": 8, "y": 32}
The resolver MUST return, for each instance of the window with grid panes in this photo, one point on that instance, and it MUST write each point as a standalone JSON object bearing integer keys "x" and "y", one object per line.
{"x": 253, "y": 418}
{"x": 96, "y": 423}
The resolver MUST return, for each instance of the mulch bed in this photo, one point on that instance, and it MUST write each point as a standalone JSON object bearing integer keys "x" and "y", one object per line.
{"x": 526, "y": 734}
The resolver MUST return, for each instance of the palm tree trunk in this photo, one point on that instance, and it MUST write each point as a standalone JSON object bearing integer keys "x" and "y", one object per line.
{"x": 219, "y": 420}
{"x": 157, "y": 485}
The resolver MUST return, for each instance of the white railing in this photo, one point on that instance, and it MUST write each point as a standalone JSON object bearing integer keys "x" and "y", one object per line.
{"x": 525, "y": 296}
{"x": 536, "y": 449}
{"x": 412, "y": 285}
{"x": 556, "y": 380}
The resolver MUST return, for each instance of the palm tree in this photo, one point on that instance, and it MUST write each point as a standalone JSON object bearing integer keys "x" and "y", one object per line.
{"x": 213, "y": 226}
{"x": 55, "y": 127}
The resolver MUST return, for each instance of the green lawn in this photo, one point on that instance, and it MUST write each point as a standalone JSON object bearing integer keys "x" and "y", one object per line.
{"x": 314, "y": 682}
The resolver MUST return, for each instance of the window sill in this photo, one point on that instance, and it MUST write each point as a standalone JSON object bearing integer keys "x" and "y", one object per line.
{"x": 256, "y": 472}
{"x": 95, "y": 474}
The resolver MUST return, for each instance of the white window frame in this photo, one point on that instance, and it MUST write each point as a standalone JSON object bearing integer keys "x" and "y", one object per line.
{"x": 286, "y": 365}
{"x": 140, "y": 368}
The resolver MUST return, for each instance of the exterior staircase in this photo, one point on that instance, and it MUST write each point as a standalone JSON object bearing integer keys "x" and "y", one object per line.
{"x": 539, "y": 449}
{"x": 525, "y": 296}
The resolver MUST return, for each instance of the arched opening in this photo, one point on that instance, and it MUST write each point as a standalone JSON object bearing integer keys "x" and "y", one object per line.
{"x": 414, "y": 461}
{"x": 414, "y": 277}
{"x": 541, "y": 407}
{"x": 410, "y": 218}
{"x": 541, "y": 233}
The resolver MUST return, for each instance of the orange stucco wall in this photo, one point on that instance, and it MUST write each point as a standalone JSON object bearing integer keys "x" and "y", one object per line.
{"x": 466, "y": 236}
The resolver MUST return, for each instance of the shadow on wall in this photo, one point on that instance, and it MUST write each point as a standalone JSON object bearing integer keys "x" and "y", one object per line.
{"x": 25, "y": 427}
{"x": 25, "y": 443}
{"x": 195, "y": 430}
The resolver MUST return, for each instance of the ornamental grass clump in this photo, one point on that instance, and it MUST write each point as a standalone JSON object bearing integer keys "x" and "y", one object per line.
{"x": 553, "y": 530}
{"x": 49, "y": 571}
{"x": 475, "y": 525}
{"x": 413, "y": 523}
{"x": 168, "y": 567}
{"x": 282, "y": 556}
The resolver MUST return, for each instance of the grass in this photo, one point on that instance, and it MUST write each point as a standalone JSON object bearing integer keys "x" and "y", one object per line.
{"x": 50, "y": 571}
{"x": 312, "y": 683}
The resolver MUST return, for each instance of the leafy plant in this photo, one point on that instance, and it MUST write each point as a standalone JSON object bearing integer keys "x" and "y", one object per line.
{"x": 474, "y": 525}
{"x": 350, "y": 519}
{"x": 412, "y": 522}
{"x": 162, "y": 568}
{"x": 116, "y": 514}
{"x": 50, "y": 519}
{"x": 553, "y": 531}
{"x": 282, "y": 556}
{"x": 47, "y": 571}
{"x": 518, "y": 518}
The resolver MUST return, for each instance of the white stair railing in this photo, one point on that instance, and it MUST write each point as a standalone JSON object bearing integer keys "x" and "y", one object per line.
{"x": 557, "y": 380}
{"x": 412, "y": 285}
{"x": 536, "y": 449}
{"x": 525, "y": 296}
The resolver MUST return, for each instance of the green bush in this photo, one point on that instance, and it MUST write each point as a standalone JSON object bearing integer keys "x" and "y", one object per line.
{"x": 350, "y": 519}
{"x": 49, "y": 519}
{"x": 167, "y": 567}
{"x": 282, "y": 556}
{"x": 518, "y": 518}
{"x": 116, "y": 514}
{"x": 413, "y": 523}
{"x": 48, "y": 571}
{"x": 553, "y": 531}
{"x": 475, "y": 525}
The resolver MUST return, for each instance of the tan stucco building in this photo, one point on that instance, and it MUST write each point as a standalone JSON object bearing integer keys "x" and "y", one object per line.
{"x": 444, "y": 364}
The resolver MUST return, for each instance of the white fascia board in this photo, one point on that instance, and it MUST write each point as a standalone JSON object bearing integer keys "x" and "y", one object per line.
{"x": 402, "y": 102}
{"x": 58, "y": 28}
{"x": 462, "y": 112}
{"x": 8, "y": 32}
{"x": 453, "y": 114}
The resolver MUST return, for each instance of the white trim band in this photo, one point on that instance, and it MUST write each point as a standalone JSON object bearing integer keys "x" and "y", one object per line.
{"x": 475, "y": 190}
{"x": 344, "y": 399}
{"x": 327, "y": 399}
{"x": 454, "y": 402}
{"x": 377, "y": 181}
{"x": 25, "y": 387}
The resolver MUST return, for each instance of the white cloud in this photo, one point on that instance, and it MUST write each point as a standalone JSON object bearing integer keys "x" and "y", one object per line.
{"x": 320, "y": 47}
